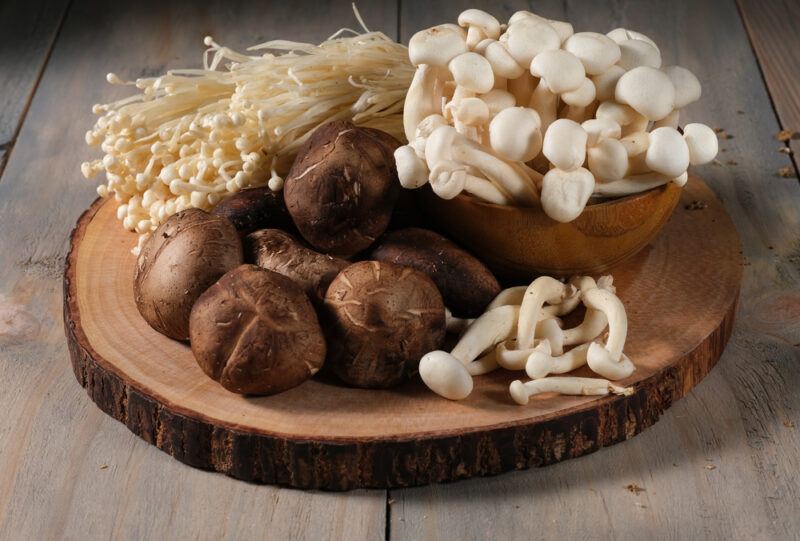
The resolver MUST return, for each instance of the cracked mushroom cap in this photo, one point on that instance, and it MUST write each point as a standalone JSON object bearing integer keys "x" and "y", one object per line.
{"x": 465, "y": 283}
{"x": 437, "y": 46}
{"x": 256, "y": 333}
{"x": 381, "y": 319}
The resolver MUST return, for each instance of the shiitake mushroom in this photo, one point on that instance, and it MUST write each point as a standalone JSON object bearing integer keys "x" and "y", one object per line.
{"x": 256, "y": 333}
{"x": 182, "y": 258}
{"x": 380, "y": 319}
{"x": 253, "y": 209}
{"x": 465, "y": 283}
{"x": 342, "y": 187}
{"x": 280, "y": 252}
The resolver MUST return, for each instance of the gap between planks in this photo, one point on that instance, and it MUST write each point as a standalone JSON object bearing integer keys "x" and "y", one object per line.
{"x": 776, "y": 76}
{"x": 7, "y": 147}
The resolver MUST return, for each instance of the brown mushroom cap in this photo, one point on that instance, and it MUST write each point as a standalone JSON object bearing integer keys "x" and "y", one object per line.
{"x": 381, "y": 319}
{"x": 255, "y": 208}
{"x": 342, "y": 187}
{"x": 280, "y": 252}
{"x": 180, "y": 260}
{"x": 465, "y": 283}
{"x": 255, "y": 332}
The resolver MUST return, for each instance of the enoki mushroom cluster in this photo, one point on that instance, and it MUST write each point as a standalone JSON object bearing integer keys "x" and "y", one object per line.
{"x": 192, "y": 137}
{"x": 531, "y": 113}
{"x": 522, "y": 330}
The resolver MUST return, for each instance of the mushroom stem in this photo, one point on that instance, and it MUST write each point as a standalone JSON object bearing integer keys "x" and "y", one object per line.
{"x": 541, "y": 364}
{"x": 521, "y": 392}
{"x": 594, "y": 322}
{"x": 630, "y": 185}
{"x": 520, "y": 187}
{"x": 608, "y": 360}
{"x": 485, "y": 332}
{"x": 542, "y": 290}
{"x": 545, "y": 102}
{"x": 423, "y": 98}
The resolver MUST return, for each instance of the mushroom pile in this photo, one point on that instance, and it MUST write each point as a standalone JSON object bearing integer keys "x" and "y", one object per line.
{"x": 521, "y": 329}
{"x": 530, "y": 113}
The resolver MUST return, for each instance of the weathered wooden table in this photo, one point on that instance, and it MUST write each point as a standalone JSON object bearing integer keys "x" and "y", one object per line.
{"x": 722, "y": 463}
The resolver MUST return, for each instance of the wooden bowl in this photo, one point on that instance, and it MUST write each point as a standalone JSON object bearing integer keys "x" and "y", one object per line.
{"x": 519, "y": 242}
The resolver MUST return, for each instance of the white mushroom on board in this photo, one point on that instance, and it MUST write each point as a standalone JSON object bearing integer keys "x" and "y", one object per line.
{"x": 504, "y": 86}
{"x": 521, "y": 392}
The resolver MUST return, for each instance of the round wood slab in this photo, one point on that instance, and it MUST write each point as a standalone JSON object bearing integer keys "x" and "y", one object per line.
{"x": 680, "y": 294}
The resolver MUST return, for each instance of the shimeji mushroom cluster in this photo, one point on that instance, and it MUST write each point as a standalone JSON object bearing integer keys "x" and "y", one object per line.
{"x": 521, "y": 330}
{"x": 192, "y": 137}
{"x": 532, "y": 113}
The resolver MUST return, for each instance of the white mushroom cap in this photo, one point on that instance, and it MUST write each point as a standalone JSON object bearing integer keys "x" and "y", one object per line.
{"x": 411, "y": 169}
{"x": 598, "y": 129}
{"x": 606, "y": 83}
{"x": 437, "y": 45}
{"x": 687, "y": 87}
{"x": 515, "y": 134}
{"x": 596, "y": 51}
{"x": 480, "y": 25}
{"x": 472, "y": 72}
{"x": 608, "y": 160}
{"x": 582, "y": 96}
{"x": 501, "y": 60}
{"x": 565, "y": 193}
{"x": 528, "y": 37}
{"x": 562, "y": 70}
{"x": 622, "y": 34}
{"x": 565, "y": 144}
{"x": 702, "y": 142}
{"x": 498, "y": 100}
{"x": 472, "y": 112}
{"x": 668, "y": 153}
{"x": 635, "y": 53}
{"x": 445, "y": 375}
{"x": 562, "y": 28}
{"x": 648, "y": 90}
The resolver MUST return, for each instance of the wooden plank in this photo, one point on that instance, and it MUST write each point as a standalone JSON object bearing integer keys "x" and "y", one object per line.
{"x": 54, "y": 441}
{"x": 772, "y": 27}
{"x": 723, "y": 462}
{"x": 27, "y": 32}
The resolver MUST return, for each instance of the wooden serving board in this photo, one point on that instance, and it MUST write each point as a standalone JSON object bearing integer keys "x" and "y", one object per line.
{"x": 680, "y": 294}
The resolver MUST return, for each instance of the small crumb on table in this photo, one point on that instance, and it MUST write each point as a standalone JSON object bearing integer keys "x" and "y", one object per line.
{"x": 633, "y": 488}
{"x": 786, "y": 172}
{"x": 788, "y": 423}
{"x": 710, "y": 467}
{"x": 784, "y": 135}
{"x": 696, "y": 205}
{"x": 103, "y": 466}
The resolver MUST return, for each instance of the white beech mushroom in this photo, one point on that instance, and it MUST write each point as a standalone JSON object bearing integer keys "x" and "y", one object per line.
{"x": 473, "y": 75}
{"x": 541, "y": 362}
{"x": 430, "y": 50}
{"x": 631, "y": 185}
{"x": 445, "y": 377}
{"x": 498, "y": 100}
{"x": 411, "y": 169}
{"x": 608, "y": 359}
{"x": 607, "y": 160}
{"x": 598, "y": 129}
{"x": 628, "y": 119}
{"x": 687, "y": 90}
{"x": 558, "y": 71}
{"x": 702, "y": 143}
{"x": 635, "y": 53}
{"x": 503, "y": 63}
{"x": 647, "y": 90}
{"x": 565, "y": 193}
{"x": 445, "y": 143}
{"x": 527, "y": 37}
{"x": 521, "y": 392}
{"x": 542, "y": 290}
{"x": 667, "y": 152}
{"x": 596, "y": 51}
{"x": 606, "y": 83}
{"x": 578, "y": 100}
{"x": 515, "y": 134}
{"x": 622, "y": 34}
{"x": 480, "y": 25}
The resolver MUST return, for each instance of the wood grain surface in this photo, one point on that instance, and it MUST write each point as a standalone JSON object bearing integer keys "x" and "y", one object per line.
{"x": 741, "y": 420}
{"x": 773, "y": 30}
{"x": 680, "y": 294}
{"x": 54, "y": 443}
{"x": 27, "y": 32}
